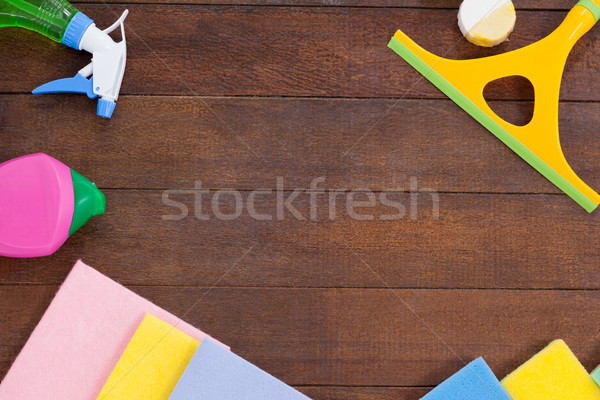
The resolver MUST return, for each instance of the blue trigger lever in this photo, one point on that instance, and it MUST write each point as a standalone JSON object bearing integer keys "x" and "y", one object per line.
{"x": 77, "y": 84}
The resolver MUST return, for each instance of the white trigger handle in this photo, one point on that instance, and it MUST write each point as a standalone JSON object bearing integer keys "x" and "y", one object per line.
{"x": 117, "y": 23}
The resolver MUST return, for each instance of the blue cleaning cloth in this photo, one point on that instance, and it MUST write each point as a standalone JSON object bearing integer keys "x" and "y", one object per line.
{"x": 217, "y": 374}
{"x": 476, "y": 381}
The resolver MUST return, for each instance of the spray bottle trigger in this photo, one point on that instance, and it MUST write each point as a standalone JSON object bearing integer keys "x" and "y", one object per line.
{"x": 77, "y": 84}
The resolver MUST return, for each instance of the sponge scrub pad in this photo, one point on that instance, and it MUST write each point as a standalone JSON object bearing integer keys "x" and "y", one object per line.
{"x": 487, "y": 23}
{"x": 552, "y": 374}
{"x": 476, "y": 381}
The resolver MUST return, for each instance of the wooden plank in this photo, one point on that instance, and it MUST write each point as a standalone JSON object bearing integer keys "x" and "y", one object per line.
{"x": 479, "y": 241}
{"x": 303, "y": 337}
{"x": 519, "y": 4}
{"x": 363, "y": 393}
{"x": 162, "y": 142}
{"x": 281, "y": 51}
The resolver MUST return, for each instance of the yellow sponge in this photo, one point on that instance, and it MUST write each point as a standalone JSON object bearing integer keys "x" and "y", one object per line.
{"x": 152, "y": 363}
{"x": 486, "y": 22}
{"x": 552, "y": 374}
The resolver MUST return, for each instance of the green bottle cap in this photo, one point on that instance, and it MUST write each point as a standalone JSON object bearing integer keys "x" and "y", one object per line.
{"x": 89, "y": 201}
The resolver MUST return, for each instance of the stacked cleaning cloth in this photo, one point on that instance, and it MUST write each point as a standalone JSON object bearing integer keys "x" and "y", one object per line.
{"x": 163, "y": 363}
{"x": 98, "y": 340}
{"x": 553, "y": 374}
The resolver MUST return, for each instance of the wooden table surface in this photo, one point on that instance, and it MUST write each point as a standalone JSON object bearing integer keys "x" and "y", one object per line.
{"x": 274, "y": 94}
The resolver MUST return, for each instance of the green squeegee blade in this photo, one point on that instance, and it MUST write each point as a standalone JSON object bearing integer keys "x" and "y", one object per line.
{"x": 454, "y": 94}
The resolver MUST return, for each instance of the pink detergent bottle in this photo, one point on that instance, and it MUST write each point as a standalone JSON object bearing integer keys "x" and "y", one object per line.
{"x": 42, "y": 203}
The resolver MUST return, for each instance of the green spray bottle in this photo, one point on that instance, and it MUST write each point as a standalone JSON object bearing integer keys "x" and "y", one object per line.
{"x": 63, "y": 23}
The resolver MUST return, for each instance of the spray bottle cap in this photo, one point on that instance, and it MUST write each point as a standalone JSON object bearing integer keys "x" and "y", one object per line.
{"x": 75, "y": 30}
{"x": 89, "y": 201}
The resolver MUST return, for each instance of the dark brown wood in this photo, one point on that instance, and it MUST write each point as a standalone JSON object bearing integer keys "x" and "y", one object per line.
{"x": 168, "y": 142}
{"x": 453, "y": 4}
{"x": 363, "y": 393}
{"x": 236, "y": 93}
{"x": 281, "y": 51}
{"x": 358, "y": 337}
{"x": 479, "y": 241}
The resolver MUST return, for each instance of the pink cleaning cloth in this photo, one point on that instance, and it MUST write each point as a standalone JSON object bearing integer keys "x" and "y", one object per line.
{"x": 78, "y": 342}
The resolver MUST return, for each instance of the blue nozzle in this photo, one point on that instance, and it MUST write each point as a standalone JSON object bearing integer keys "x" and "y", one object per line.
{"x": 77, "y": 27}
{"x": 105, "y": 108}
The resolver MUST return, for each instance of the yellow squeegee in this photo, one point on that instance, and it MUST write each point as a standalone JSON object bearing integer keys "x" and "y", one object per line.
{"x": 542, "y": 63}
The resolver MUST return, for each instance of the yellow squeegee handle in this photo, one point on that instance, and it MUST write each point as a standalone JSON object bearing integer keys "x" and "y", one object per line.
{"x": 593, "y": 6}
{"x": 542, "y": 63}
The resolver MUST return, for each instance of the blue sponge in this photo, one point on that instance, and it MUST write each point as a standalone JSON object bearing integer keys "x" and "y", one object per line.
{"x": 476, "y": 381}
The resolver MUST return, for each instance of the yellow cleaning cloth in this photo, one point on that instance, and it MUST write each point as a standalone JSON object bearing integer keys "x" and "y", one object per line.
{"x": 552, "y": 374}
{"x": 152, "y": 363}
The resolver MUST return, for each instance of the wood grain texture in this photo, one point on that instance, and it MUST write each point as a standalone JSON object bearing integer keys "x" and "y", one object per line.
{"x": 236, "y": 93}
{"x": 363, "y": 393}
{"x": 170, "y": 142}
{"x": 452, "y": 4}
{"x": 282, "y": 51}
{"x": 303, "y": 337}
{"x": 479, "y": 241}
